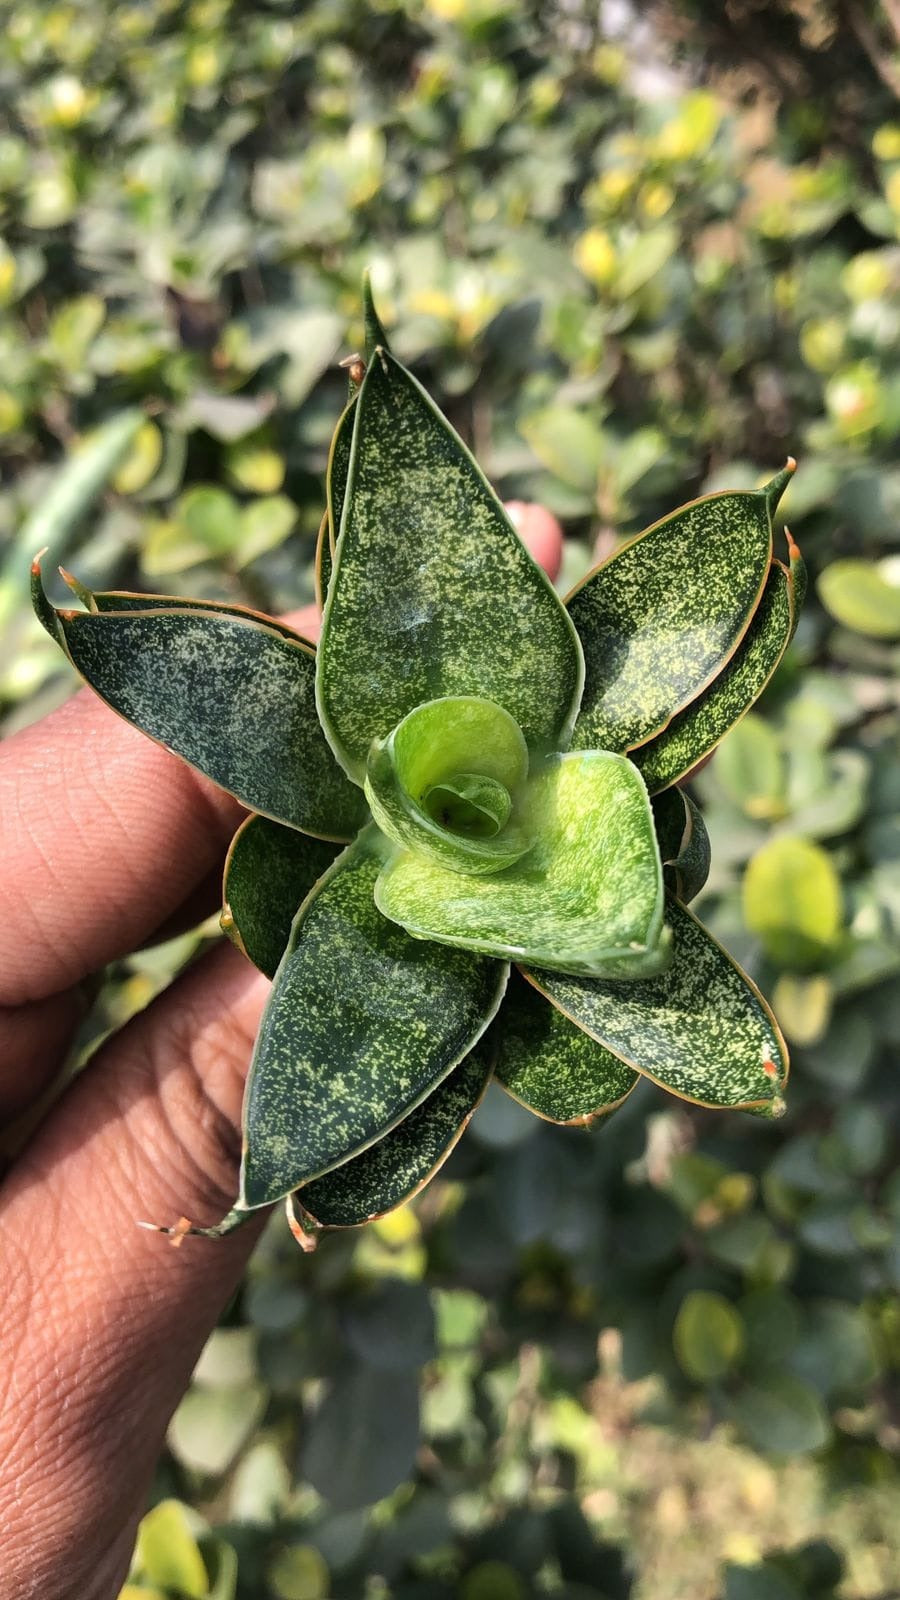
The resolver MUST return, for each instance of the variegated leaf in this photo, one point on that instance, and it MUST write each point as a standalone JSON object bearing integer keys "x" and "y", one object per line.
{"x": 433, "y": 593}
{"x": 587, "y": 897}
{"x": 550, "y": 1065}
{"x": 659, "y": 620}
{"x": 700, "y": 1029}
{"x": 362, "y": 1024}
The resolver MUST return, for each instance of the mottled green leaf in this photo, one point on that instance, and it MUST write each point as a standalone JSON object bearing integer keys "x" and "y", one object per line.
{"x": 231, "y": 695}
{"x": 322, "y": 562}
{"x": 270, "y": 869}
{"x": 683, "y": 843}
{"x": 660, "y": 619}
{"x": 588, "y": 895}
{"x": 552, "y": 1067}
{"x": 701, "y": 1028}
{"x": 697, "y": 730}
{"x": 792, "y": 902}
{"x": 864, "y": 596}
{"x": 433, "y": 593}
{"x": 362, "y": 1023}
{"x": 399, "y": 1165}
{"x": 337, "y": 471}
{"x": 443, "y": 784}
{"x": 99, "y": 600}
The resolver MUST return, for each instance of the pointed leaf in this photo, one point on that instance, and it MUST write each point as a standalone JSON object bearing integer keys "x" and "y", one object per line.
{"x": 683, "y": 843}
{"x": 433, "y": 593}
{"x": 322, "y": 563}
{"x": 443, "y": 784}
{"x": 375, "y": 335}
{"x": 269, "y": 871}
{"x": 98, "y": 600}
{"x": 659, "y": 620}
{"x": 550, "y": 1065}
{"x": 588, "y": 896}
{"x": 337, "y": 471}
{"x": 700, "y": 1029}
{"x": 362, "y": 1023}
{"x": 697, "y": 730}
{"x": 231, "y": 695}
{"x": 399, "y": 1165}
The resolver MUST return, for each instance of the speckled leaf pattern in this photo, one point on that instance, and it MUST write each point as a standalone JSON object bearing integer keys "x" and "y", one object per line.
{"x": 362, "y": 1023}
{"x": 683, "y": 843}
{"x": 550, "y": 1065}
{"x": 587, "y": 897}
{"x": 660, "y": 619}
{"x": 233, "y": 698}
{"x": 696, "y": 731}
{"x": 460, "y": 739}
{"x": 700, "y": 1029}
{"x": 269, "y": 871}
{"x": 433, "y": 593}
{"x": 399, "y": 1165}
{"x": 337, "y": 470}
{"x": 121, "y": 600}
{"x": 322, "y": 563}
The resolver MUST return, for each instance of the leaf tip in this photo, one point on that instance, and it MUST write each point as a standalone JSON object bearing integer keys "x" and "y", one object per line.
{"x": 304, "y": 1228}
{"x": 36, "y": 561}
{"x": 774, "y": 489}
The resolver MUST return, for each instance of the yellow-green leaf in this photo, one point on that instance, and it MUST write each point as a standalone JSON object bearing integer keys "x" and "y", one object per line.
{"x": 792, "y": 902}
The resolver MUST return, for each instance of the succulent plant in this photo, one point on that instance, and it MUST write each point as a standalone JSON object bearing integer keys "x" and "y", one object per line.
{"x": 467, "y": 852}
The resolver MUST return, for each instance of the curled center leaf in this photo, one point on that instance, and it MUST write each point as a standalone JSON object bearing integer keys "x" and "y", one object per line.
{"x": 470, "y": 804}
{"x": 448, "y": 783}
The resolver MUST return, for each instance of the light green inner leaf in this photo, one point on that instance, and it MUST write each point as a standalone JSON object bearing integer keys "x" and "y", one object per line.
{"x": 550, "y": 1065}
{"x": 433, "y": 593}
{"x": 660, "y": 619}
{"x": 587, "y": 897}
{"x": 697, "y": 730}
{"x": 469, "y": 804}
{"x": 363, "y": 1022}
{"x": 233, "y": 697}
{"x": 399, "y": 1165}
{"x": 701, "y": 1028}
{"x": 445, "y": 784}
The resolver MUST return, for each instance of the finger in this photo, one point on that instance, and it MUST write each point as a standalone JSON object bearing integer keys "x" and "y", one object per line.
{"x": 104, "y": 833}
{"x": 540, "y": 533}
{"x": 103, "y": 1322}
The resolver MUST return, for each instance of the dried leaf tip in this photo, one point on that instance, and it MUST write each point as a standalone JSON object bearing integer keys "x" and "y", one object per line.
{"x": 36, "y": 561}
{"x": 793, "y": 547}
{"x": 774, "y": 489}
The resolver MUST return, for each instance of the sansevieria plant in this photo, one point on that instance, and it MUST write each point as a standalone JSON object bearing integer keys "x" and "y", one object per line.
{"x": 467, "y": 853}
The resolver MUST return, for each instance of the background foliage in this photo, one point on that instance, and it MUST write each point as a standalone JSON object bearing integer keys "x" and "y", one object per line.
{"x": 635, "y": 257}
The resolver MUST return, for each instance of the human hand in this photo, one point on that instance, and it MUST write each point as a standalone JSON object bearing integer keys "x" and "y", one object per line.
{"x": 109, "y": 839}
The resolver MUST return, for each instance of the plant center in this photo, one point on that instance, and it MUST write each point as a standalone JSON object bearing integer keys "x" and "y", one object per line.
{"x": 469, "y": 804}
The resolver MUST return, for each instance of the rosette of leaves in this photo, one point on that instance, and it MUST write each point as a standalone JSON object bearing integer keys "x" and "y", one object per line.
{"x": 467, "y": 853}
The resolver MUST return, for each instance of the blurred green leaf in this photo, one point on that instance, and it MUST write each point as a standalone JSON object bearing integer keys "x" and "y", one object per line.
{"x": 864, "y": 597}
{"x": 792, "y": 902}
{"x": 167, "y": 1552}
{"x": 708, "y": 1336}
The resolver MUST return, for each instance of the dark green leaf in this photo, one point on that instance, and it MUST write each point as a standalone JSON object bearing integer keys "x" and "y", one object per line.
{"x": 700, "y": 1029}
{"x": 660, "y": 619}
{"x": 270, "y": 869}
{"x": 587, "y": 897}
{"x": 697, "y": 730}
{"x": 683, "y": 843}
{"x": 323, "y": 562}
{"x": 362, "y": 1023}
{"x": 551, "y": 1066}
{"x": 780, "y": 1414}
{"x": 337, "y": 470}
{"x": 433, "y": 593}
{"x": 375, "y": 335}
{"x": 230, "y": 694}
{"x": 399, "y": 1165}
